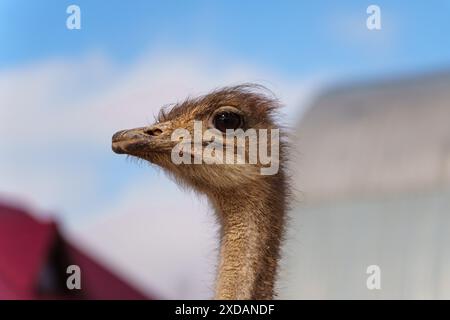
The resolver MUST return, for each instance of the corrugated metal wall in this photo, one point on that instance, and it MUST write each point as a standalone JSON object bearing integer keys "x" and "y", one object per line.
{"x": 374, "y": 171}
{"x": 329, "y": 248}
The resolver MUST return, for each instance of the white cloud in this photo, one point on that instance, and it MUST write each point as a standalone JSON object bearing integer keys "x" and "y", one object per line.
{"x": 166, "y": 245}
{"x": 86, "y": 101}
{"x": 57, "y": 118}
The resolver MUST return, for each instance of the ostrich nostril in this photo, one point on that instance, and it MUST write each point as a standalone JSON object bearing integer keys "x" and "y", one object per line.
{"x": 118, "y": 135}
{"x": 153, "y": 131}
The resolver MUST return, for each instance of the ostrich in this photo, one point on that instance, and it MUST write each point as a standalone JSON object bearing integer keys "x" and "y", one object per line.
{"x": 250, "y": 207}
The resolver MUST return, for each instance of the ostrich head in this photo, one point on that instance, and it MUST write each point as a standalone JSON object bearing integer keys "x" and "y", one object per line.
{"x": 238, "y": 108}
{"x": 250, "y": 202}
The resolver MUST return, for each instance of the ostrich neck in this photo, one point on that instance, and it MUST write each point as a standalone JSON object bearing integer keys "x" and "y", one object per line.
{"x": 251, "y": 232}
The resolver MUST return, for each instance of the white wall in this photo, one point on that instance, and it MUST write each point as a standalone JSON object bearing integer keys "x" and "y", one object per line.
{"x": 330, "y": 246}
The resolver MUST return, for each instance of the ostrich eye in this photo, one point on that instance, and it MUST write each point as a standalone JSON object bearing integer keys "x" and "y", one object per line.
{"x": 227, "y": 120}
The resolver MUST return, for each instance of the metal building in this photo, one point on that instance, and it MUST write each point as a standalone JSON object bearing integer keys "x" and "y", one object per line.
{"x": 372, "y": 173}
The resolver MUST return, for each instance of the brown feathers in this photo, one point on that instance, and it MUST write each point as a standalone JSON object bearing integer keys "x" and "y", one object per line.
{"x": 250, "y": 206}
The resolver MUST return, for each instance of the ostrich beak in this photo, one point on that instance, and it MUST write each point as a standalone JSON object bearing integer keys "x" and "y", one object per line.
{"x": 130, "y": 141}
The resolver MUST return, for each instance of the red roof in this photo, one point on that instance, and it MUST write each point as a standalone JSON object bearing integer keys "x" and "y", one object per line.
{"x": 34, "y": 257}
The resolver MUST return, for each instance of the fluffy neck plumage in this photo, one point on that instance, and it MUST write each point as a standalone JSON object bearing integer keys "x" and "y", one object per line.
{"x": 251, "y": 231}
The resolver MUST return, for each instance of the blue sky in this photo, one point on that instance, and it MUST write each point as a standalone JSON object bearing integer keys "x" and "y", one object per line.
{"x": 288, "y": 40}
{"x": 63, "y": 93}
{"x": 290, "y": 36}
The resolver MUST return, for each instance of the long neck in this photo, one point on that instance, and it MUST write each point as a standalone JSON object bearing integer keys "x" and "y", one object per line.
{"x": 252, "y": 229}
